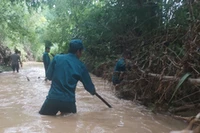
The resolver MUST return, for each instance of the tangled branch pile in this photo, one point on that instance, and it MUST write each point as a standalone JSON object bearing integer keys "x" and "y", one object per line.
{"x": 166, "y": 70}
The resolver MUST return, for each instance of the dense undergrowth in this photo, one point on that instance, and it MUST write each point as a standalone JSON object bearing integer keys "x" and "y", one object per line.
{"x": 165, "y": 71}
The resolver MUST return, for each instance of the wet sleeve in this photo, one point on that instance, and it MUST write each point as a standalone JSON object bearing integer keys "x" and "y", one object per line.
{"x": 45, "y": 58}
{"x": 50, "y": 69}
{"x": 87, "y": 82}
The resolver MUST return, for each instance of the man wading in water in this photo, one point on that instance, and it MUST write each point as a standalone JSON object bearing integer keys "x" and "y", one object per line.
{"x": 15, "y": 60}
{"x": 46, "y": 60}
{"x": 65, "y": 71}
{"x": 122, "y": 65}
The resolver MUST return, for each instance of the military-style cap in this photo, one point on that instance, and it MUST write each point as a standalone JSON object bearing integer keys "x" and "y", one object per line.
{"x": 75, "y": 44}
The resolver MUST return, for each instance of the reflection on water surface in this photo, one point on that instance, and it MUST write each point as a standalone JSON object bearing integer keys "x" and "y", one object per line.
{"x": 21, "y": 100}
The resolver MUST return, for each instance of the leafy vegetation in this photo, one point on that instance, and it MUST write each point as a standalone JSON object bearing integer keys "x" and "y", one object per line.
{"x": 162, "y": 35}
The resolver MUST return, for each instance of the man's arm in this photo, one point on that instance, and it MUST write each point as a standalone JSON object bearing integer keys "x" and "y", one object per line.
{"x": 46, "y": 60}
{"x": 50, "y": 69}
{"x": 87, "y": 82}
{"x": 20, "y": 61}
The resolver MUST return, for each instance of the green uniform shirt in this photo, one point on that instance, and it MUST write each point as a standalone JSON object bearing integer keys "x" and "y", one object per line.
{"x": 65, "y": 71}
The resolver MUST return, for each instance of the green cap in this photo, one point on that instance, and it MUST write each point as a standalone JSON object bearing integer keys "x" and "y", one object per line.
{"x": 75, "y": 45}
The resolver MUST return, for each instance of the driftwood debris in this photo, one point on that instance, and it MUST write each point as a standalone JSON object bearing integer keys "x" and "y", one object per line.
{"x": 185, "y": 107}
{"x": 187, "y": 119}
{"x": 165, "y": 72}
{"x": 172, "y": 78}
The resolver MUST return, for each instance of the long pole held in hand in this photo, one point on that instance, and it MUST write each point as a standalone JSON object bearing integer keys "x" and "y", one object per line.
{"x": 103, "y": 100}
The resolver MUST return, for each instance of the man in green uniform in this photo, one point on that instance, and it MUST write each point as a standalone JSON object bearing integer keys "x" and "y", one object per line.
{"x": 15, "y": 60}
{"x": 46, "y": 60}
{"x": 65, "y": 71}
{"x": 121, "y": 66}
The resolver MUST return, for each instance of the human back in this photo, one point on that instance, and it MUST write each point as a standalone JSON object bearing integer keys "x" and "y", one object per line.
{"x": 68, "y": 69}
{"x": 15, "y": 58}
{"x": 65, "y": 70}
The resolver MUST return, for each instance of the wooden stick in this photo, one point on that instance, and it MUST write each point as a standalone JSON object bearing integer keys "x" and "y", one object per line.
{"x": 191, "y": 80}
{"x": 103, "y": 100}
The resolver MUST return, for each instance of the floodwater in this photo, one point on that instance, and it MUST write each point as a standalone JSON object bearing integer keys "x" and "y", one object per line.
{"x": 21, "y": 100}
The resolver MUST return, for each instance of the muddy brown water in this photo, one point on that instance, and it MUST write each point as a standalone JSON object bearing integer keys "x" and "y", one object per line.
{"x": 21, "y": 100}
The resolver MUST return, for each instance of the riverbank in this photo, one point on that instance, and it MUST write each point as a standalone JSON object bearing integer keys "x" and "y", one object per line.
{"x": 5, "y": 68}
{"x": 177, "y": 97}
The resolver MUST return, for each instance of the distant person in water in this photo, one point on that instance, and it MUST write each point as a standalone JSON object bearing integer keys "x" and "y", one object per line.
{"x": 15, "y": 60}
{"x": 65, "y": 71}
{"x": 122, "y": 65}
{"x": 47, "y": 57}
